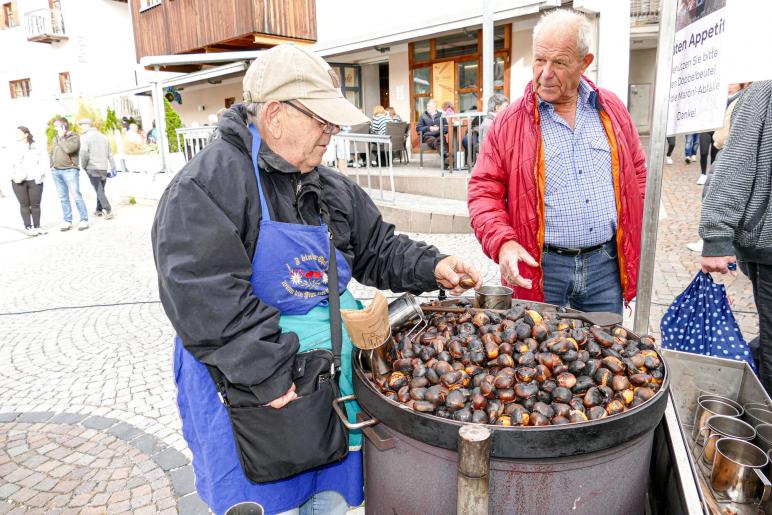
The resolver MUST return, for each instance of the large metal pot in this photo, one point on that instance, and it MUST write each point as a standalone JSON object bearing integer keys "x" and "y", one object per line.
{"x": 597, "y": 467}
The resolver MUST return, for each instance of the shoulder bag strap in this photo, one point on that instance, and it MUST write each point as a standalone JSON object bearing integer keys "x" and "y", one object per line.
{"x": 336, "y": 333}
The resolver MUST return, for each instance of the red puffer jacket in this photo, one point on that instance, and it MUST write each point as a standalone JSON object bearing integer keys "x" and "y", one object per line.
{"x": 506, "y": 191}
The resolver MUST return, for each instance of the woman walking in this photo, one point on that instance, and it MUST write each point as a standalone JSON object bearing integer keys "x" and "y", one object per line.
{"x": 28, "y": 168}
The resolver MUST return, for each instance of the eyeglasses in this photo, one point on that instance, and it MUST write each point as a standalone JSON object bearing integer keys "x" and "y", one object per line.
{"x": 327, "y": 127}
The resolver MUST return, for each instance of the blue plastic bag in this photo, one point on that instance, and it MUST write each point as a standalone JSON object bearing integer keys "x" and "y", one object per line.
{"x": 700, "y": 321}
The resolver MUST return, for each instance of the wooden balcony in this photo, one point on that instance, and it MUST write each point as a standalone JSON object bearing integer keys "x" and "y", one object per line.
{"x": 168, "y": 27}
{"x": 44, "y": 26}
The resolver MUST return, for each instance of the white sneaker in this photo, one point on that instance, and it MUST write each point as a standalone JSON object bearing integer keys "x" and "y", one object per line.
{"x": 30, "y": 231}
{"x": 669, "y": 160}
{"x": 695, "y": 247}
{"x": 83, "y": 226}
{"x": 66, "y": 226}
{"x": 40, "y": 230}
{"x": 703, "y": 178}
{"x": 694, "y": 158}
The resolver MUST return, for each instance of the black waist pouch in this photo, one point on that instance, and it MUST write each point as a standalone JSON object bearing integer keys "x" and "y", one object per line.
{"x": 307, "y": 433}
{"x": 274, "y": 443}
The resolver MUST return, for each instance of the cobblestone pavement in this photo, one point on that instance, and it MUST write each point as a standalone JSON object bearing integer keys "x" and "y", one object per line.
{"x": 88, "y": 420}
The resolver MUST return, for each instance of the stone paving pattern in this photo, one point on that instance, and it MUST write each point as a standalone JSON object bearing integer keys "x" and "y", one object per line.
{"x": 88, "y": 419}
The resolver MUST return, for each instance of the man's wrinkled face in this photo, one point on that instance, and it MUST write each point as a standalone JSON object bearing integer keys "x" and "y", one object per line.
{"x": 305, "y": 138}
{"x": 557, "y": 66}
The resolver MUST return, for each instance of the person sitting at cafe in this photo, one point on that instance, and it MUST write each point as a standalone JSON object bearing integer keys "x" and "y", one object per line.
{"x": 393, "y": 114}
{"x": 380, "y": 119}
{"x": 429, "y": 128}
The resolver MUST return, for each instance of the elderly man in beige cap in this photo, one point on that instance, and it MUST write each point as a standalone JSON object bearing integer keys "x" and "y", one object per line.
{"x": 255, "y": 244}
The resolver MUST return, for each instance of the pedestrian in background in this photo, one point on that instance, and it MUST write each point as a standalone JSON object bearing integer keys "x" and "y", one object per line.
{"x": 66, "y": 173}
{"x": 691, "y": 142}
{"x": 96, "y": 158}
{"x": 736, "y": 215}
{"x": 670, "y": 148}
{"x": 28, "y": 169}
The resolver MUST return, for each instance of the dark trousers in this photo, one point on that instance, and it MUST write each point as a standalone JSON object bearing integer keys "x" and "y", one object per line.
{"x": 707, "y": 149}
{"x": 670, "y": 145}
{"x": 99, "y": 186}
{"x": 29, "y": 194}
{"x": 433, "y": 142}
{"x": 761, "y": 279}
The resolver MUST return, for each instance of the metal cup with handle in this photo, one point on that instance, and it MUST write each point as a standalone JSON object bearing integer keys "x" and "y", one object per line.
{"x": 756, "y": 416}
{"x": 706, "y": 408}
{"x": 705, "y": 395}
{"x": 721, "y": 426}
{"x": 738, "y": 472}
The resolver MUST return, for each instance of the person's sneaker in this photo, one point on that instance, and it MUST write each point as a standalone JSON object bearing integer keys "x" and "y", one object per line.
{"x": 669, "y": 160}
{"x": 695, "y": 247}
{"x": 703, "y": 178}
{"x": 30, "y": 231}
{"x": 694, "y": 158}
{"x": 40, "y": 231}
{"x": 82, "y": 226}
{"x": 66, "y": 226}
{"x": 97, "y": 213}
{"x": 109, "y": 215}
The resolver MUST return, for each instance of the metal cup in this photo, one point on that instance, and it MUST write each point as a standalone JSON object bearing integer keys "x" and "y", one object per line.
{"x": 721, "y": 426}
{"x": 403, "y": 309}
{"x": 726, "y": 400}
{"x": 493, "y": 297}
{"x": 706, "y": 408}
{"x": 756, "y": 416}
{"x": 737, "y": 471}
{"x": 764, "y": 437}
{"x": 245, "y": 508}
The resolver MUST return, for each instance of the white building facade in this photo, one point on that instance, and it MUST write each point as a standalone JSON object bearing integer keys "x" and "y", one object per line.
{"x": 57, "y": 51}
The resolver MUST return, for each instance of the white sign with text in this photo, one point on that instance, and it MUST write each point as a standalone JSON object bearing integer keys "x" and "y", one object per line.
{"x": 698, "y": 87}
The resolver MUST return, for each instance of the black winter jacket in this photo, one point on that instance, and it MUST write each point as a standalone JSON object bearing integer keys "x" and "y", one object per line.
{"x": 204, "y": 237}
{"x": 426, "y": 121}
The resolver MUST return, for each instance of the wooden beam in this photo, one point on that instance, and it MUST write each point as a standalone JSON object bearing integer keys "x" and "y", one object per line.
{"x": 266, "y": 39}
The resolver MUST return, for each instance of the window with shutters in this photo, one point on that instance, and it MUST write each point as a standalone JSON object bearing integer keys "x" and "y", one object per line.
{"x": 20, "y": 88}
{"x": 10, "y": 16}
{"x": 64, "y": 82}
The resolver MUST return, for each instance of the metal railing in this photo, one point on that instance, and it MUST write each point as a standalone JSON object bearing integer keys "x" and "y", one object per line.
{"x": 190, "y": 140}
{"x": 644, "y": 12}
{"x": 377, "y": 149}
{"x": 463, "y": 140}
{"x": 44, "y": 22}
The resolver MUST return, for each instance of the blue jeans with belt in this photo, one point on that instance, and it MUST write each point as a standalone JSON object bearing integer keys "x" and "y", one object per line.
{"x": 587, "y": 282}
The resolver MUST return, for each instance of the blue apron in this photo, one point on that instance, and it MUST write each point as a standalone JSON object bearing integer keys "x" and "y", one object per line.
{"x": 289, "y": 273}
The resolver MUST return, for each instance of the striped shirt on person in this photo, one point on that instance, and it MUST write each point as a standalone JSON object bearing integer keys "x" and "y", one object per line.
{"x": 378, "y": 125}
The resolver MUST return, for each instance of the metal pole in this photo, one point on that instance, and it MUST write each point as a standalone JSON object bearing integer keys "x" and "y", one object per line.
{"x": 487, "y": 51}
{"x": 656, "y": 161}
{"x": 474, "y": 452}
{"x": 160, "y": 121}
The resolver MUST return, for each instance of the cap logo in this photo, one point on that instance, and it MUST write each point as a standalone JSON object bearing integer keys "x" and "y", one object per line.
{"x": 334, "y": 77}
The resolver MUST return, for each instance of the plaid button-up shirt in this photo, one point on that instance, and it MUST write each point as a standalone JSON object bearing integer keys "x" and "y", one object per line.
{"x": 580, "y": 203}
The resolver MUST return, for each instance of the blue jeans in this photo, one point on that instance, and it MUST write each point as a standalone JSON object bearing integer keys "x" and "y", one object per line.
{"x": 328, "y": 502}
{"x": 587, "y": 282}
{"x": 691, "y": 142}
{"x": 67, "y": 183}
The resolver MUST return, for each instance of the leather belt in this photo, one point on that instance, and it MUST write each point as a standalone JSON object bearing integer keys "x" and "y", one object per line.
{"x": 572, "y": 252}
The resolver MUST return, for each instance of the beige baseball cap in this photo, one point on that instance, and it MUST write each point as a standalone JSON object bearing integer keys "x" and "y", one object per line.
{"x": 290, "y": 72}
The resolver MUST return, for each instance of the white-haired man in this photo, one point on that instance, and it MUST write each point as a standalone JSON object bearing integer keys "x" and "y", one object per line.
{"x": 246, "y": 241}
{"x": 559, "y": 183}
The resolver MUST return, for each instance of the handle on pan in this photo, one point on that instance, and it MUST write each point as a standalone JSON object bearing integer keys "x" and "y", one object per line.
{"x": 342, "y": 415}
